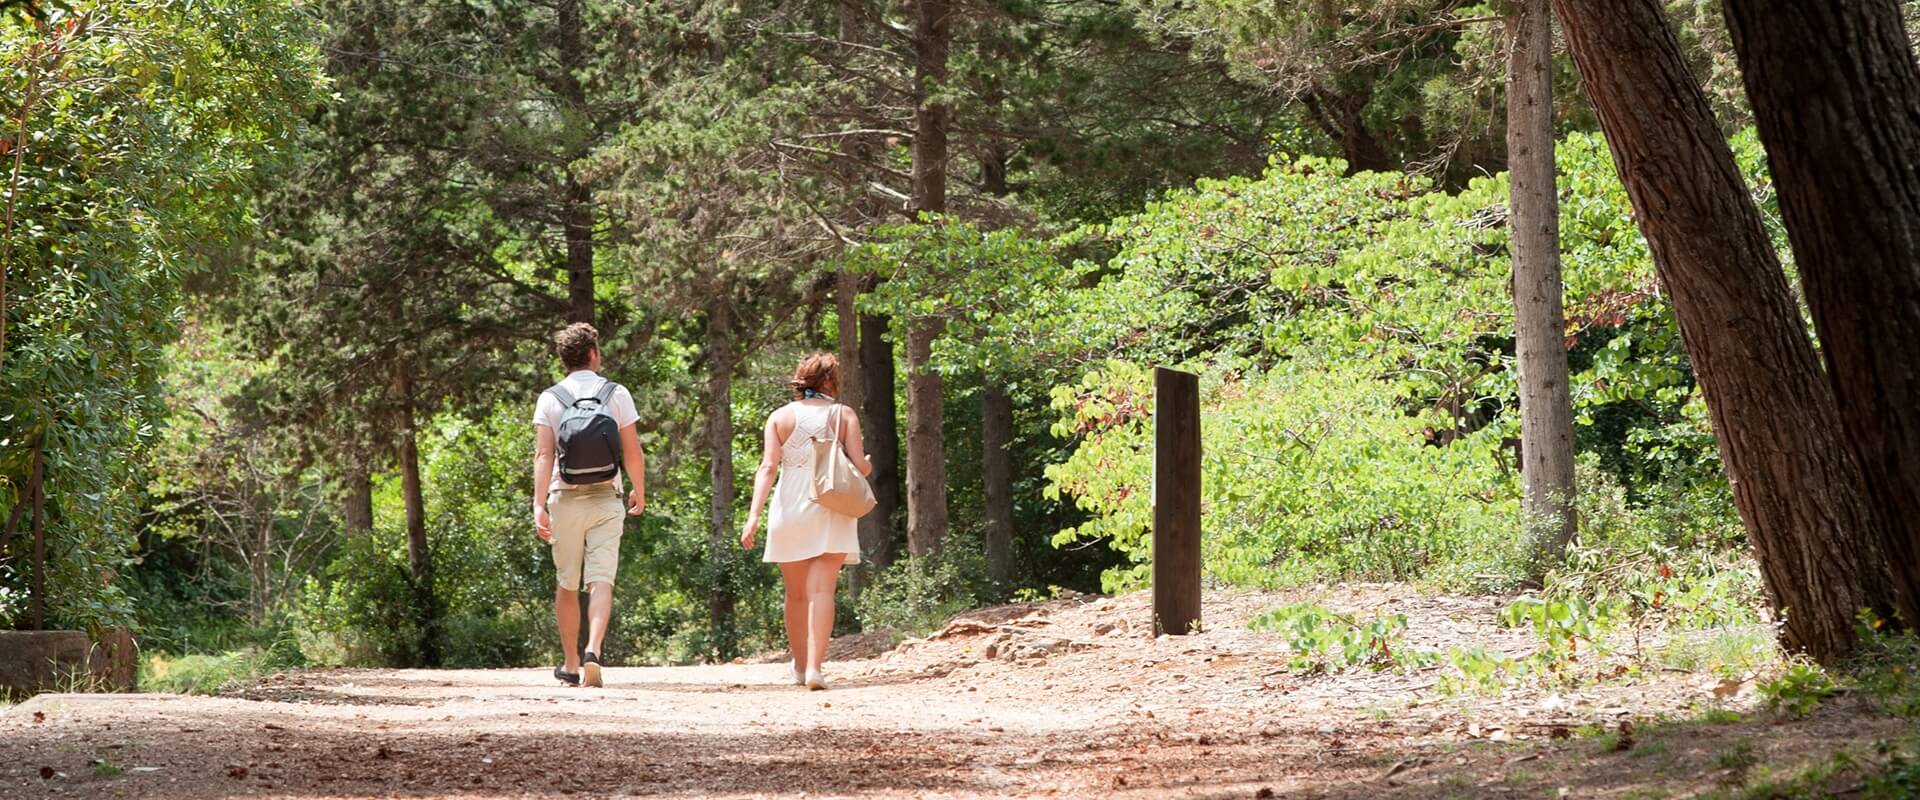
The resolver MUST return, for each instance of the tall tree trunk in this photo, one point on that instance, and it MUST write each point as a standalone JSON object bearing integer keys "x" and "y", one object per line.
{"x": 1796, "y": 484}
{"x": 720, "y": 532}
{"x": 357, "y": 509}
{"x": 577, "y": 199}
{"x": 260, "y": 572}
{"x": 1540, "y": 324}
{"x": 926, "y": 445}
{"x": 996, "y": 424}
{"x": 865, "y": 382}
{"x": 881, "y": 426}
{"x": 1836, "y": 94}
{"x": 419, "y": 558}
{"x": 996, "y": 473}
{"x": 579, "y": 233}
{"x": 926, "y": 407}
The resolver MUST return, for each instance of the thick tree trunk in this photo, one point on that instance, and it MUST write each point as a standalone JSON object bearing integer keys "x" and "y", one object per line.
{"x": 847, "y": 339}
{"x": 1539, "y": 321}
{"x": 932, "y": 39}
{"x": 880, "y": 424}
{"x": 926, "y": 407}
{"x": 419, "y": 557}
{"x": 1836, "y": 94}
{"x": 996, "y": 473}
{"x": 720, "y": 532}
{"x": 926, "y": 445}
{"x": 579, "y": 233}
{"x": 1796, "y": 484}
{"x": 357, "y": 509}
{"x": 577, "y": 199}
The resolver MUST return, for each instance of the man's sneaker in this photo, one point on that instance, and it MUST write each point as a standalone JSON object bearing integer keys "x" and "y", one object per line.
{"x": 590, "y": 669}
{"x": 568, "y": 678}
{"x": 815, "y": 681}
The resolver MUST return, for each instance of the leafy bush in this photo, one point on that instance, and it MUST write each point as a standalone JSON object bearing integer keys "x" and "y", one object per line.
{"x": 1675, "y": 559}
{"x": 915, "y": 596}
{"x": 1798, "y": 690}
{"x": 215, "y": 673}
{"x": 1354, "y": 335}
{"x": 1322, "y": 640}
{"x": 1311, "y": 471}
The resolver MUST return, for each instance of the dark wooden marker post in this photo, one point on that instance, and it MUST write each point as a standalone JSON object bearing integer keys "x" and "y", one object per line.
{"x": 1176, "y": 501}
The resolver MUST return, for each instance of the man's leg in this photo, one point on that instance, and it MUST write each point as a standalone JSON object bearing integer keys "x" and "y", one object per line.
{"x": 566, "y": 607}
{"x": 599, "y": 611}
{"x": 569, "y": 550}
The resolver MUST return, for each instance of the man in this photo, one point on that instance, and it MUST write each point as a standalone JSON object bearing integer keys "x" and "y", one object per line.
{"x": 583, "y": 521}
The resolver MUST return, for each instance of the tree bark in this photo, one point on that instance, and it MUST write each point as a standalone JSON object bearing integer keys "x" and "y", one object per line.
{"x": 577, "y": 199}
{"x": 1836, "y": 95}
{"x": 996, "y": 473}
{"x": 926, "y": 445}
{"x": 1797, "y": 486}
{"x": 720, "y": 531}
{"x": 847, "y": 341}
{"x": 579, "y": 232}
{"x": 1539, "y": 319}
{"x": 260, "y": 571}
{"x": 880, "y": 424}
{"x": 419, "y": 557}
{"x": 926, "y": 407}
{"x": 357, "y": 509}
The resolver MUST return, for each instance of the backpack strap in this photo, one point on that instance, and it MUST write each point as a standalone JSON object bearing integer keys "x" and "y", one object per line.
{"x": 561, "y": 394}
{"x": 605, "y": 395}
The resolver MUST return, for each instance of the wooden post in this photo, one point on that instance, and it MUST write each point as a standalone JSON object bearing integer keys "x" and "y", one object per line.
{"x": 1176, "y": 501}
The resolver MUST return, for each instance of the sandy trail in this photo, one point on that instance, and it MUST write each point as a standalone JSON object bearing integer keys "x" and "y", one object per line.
{"x": 1073, "y": 700}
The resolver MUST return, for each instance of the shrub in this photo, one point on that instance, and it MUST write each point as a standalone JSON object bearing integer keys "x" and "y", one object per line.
{"x": 1312, "y": 471}
{"x": 915, "y": 596}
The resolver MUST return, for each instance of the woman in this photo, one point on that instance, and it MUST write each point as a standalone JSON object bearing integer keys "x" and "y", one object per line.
{"x": 807, "y": 540}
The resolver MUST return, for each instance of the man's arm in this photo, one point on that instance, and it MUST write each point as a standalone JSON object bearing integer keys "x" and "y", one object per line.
{"x": 542, "y": 481}
{"x": 634, "y": 464}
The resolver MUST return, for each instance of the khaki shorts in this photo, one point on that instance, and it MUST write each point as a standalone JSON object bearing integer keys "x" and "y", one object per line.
{"x": 587, "y": 522}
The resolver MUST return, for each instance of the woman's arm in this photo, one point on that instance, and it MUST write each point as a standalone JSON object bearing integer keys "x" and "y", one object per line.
{"x": 849, "y": 434}
{"x": 762, "y": 481}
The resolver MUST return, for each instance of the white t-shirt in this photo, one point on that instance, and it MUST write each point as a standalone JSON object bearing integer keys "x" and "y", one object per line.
{"x": 584, "y": 383}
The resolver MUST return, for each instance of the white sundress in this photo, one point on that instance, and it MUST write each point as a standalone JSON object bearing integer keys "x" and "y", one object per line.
{"x": 797, "y": 527}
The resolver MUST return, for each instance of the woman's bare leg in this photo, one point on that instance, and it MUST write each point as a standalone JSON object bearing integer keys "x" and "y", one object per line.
{"x": 793, "y": 576}
{"x": 823, "y": 577}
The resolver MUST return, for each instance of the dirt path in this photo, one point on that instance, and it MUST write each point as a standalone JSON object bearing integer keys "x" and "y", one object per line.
{"x": 1071, "y": 701}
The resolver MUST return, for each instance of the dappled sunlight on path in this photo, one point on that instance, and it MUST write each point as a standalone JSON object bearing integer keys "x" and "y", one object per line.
{"x": 1064, "y": 699}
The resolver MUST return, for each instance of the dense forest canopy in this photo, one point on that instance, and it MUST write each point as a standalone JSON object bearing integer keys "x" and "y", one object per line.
{"x": 281, "y": 277}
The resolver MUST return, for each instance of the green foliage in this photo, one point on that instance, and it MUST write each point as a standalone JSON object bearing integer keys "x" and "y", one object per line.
{"x": 1322, "y": 475}
{"x": 1886, "y": 666}
{"x": 216, "y": 673}
{"x": 1798, "y": 690}
{"x": 138, "y": 128}
{"x": 1353, "y": 338}
{"x": 917, "y": 595}
{"x": 1565, "y": 626}
{"x": 1321, "y": 640}
{"x": 1675, "y": 560}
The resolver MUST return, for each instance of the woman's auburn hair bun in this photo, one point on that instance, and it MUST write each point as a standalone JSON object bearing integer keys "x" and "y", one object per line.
{"x": 817, "y": 372}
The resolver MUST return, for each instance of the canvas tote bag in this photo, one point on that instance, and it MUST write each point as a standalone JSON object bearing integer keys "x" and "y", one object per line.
{"x": 837, "y": 485}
